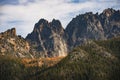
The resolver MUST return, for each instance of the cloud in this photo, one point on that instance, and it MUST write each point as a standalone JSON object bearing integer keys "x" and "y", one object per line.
{"x": 26, "y": 13}
{"x": 23, "y": 1}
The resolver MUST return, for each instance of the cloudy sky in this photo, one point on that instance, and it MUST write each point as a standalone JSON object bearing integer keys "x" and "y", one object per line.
{"x": 23, "y": 14}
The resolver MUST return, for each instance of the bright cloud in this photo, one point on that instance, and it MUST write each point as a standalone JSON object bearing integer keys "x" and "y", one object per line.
{"x": 24, "y": 14}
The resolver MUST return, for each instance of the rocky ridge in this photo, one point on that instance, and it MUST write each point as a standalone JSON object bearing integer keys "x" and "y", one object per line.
{"x": 93, "y": 26}
{"x": 11, "y": 44}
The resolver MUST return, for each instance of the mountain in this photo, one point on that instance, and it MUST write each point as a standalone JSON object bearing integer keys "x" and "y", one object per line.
{"x": 94, "y": 60}
{"x": 11, "y": 44}
{"x": 48, "y": 39}
{"x": 93, "y": 26}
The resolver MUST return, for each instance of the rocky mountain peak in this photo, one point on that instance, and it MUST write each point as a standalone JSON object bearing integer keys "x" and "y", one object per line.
{"x": 44, "y": 21}
{"x": 56, "y": 26}
{"x": 108, "y": 12}
{"x": 43, "y": 24}
{"x": 48, "y": 37}
{"x": 40, "y": 24}
{"x": 93, "y": 26}
{"x": 9, "y": 32}
{"x": 11, "y": 44}
{"x": 56, "y": 22}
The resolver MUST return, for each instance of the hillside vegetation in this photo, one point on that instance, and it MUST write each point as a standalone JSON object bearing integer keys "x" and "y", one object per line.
{"x": 94, "y": 60}
{"x": 12, "y": 68}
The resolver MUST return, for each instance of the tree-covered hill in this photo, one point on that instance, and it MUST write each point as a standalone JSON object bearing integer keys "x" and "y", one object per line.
{"x": 95, "y": 60}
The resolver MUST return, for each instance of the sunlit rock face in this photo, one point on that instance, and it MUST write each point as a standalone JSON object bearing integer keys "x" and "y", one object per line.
{"x": 13, "y": 45}
{"x": 48, "y": 39}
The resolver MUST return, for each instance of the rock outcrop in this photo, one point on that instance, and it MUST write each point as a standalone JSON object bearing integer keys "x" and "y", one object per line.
{"x": 48, "y": 39}
{"x": 11, "y": 44}
{"x": 110, "y": 20}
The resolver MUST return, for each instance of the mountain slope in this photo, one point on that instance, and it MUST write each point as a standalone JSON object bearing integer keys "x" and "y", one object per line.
{"x": 111, "y": 45}
{"x": 87, "y": 62}
{"x": 95, "y": 60}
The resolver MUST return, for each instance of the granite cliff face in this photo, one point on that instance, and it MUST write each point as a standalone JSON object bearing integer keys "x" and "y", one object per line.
{"x": 48, "y": 39}
{"x": 11, "y": 44}
{"x": 110, "y": 20}
{"x": 93, "y": 26}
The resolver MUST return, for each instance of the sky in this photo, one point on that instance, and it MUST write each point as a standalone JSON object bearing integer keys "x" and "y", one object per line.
{"x": 23, "y": 14}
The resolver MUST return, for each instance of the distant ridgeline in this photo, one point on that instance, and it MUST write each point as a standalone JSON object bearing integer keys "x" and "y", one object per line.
{"x": 50, "y": 39}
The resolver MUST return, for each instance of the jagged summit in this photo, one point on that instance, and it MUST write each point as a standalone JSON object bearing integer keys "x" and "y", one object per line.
{"x": 108, "y": 12}
{"x": 42, "y": 21}
{"x": 45, "y": 28}
{"x": 93, "y": 26}
{"x": 53, "y": 23}
{"x": 56, "y": 22}
{"x": 9, "y": 32}
{"x": 48, "y": 37}
{"x": 56, "y": 26}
